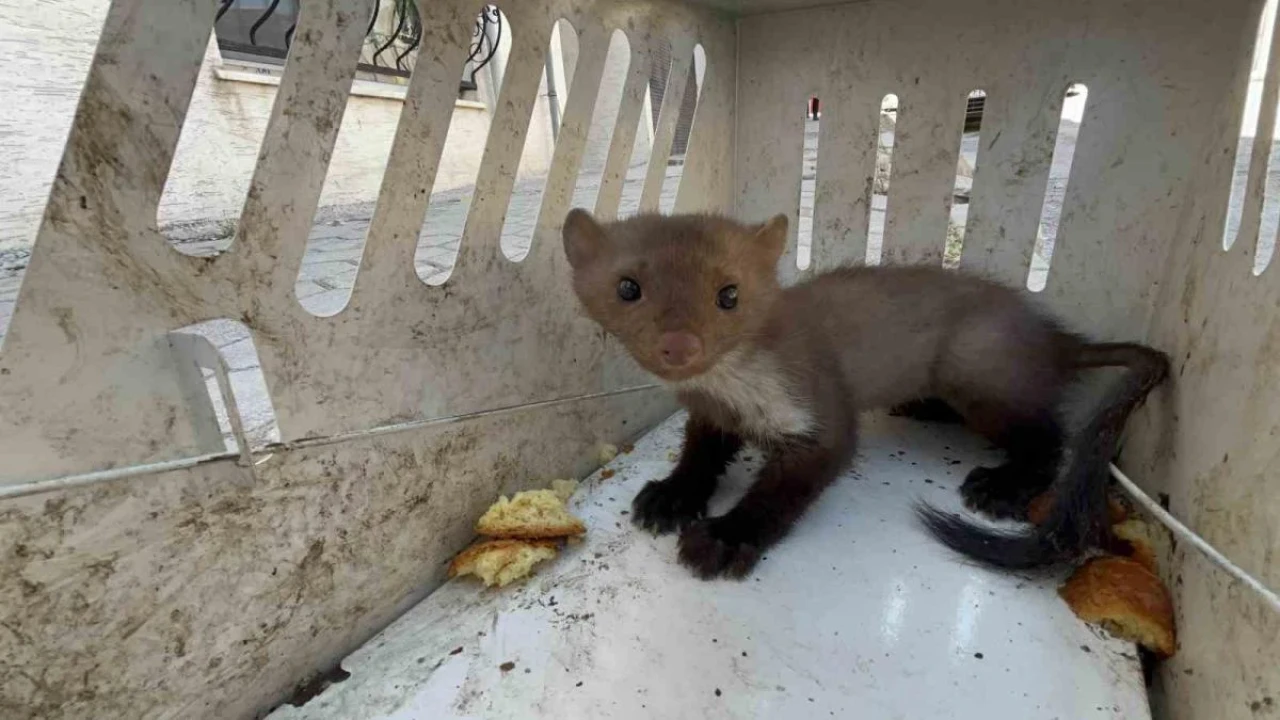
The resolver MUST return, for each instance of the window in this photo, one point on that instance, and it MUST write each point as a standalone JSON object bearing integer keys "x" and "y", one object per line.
{"x": 258, "y": 33}
{"x": 658, "y": 71}
{"x": 256, "y": 30}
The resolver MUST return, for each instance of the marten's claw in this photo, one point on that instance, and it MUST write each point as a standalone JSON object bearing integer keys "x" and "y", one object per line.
{"x": 665, "y": 506}
{"x": 718, "y": 547}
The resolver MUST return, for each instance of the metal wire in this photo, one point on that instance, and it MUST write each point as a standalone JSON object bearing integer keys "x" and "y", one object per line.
{"x": 1269, "y": 596}
{"x": 261, "y": 455}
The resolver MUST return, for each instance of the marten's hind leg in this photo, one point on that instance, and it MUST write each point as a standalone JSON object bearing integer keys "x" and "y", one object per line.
{"x": 1003, "y": 370}
{"x": 1033, "y": 446}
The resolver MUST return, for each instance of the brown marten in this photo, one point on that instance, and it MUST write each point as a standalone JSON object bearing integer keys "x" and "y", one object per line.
{"x": 696, "y": 300}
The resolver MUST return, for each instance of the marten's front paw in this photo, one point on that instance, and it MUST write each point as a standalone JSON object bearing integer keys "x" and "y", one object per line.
{"x": 719, "y": 547}
{"x": 667, "y": 505}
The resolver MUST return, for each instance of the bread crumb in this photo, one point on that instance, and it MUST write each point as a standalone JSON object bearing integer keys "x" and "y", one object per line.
{"x": 499, "y": 562}
{"x": 531, "y": 514}
{"x": 608, "y": 452}
{"x": 1136, "y": 533}
{"x": 607, "y": 473}
{"x": 564, "y": 489}
{"x": 671, "y": 455}
{"x": 1126, "y": 598}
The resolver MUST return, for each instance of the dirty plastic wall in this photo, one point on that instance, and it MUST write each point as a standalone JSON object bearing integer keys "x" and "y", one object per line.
{"x": 210, "y": 591}
{"x": 1208, "y": 444}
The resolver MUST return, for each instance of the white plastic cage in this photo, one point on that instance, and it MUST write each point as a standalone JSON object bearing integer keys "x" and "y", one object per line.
{"x": 151, "y": 569}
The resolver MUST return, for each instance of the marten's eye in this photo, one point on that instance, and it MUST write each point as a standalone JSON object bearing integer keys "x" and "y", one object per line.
{"x": 628, "y": 290}
{"x": 727, "y": 298}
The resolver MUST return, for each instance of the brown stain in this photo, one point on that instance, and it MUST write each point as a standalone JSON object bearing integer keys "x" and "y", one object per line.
{"x": 1190, "y": 287}
{"x": 107, "y": 132}
{"x": 1266, "y": 376}
{"x": 65, "y": 318}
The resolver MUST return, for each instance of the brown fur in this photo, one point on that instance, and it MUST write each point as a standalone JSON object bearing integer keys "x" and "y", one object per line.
{"x": 820, "y": 353}
{"x": 680, "y": 264}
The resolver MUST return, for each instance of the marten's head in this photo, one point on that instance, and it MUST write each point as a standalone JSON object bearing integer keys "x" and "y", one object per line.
{"x": 678, "y": 291}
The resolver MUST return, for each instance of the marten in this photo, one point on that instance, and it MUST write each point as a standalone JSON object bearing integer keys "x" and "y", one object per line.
{"x": 696, "y": 300}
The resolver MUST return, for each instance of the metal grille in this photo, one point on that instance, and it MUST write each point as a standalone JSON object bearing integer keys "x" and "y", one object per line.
{"x": 262, "y": 31}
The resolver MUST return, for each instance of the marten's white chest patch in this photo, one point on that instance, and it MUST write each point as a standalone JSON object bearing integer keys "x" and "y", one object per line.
{"x": 752, "y": 386}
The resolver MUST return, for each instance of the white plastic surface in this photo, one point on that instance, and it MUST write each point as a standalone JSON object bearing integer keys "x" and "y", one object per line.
{"x": 856, "y": 614}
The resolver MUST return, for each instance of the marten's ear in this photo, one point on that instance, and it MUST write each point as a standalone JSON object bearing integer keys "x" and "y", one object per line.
{"x": 771, "y": 237}
{"x": 584, "y": 239}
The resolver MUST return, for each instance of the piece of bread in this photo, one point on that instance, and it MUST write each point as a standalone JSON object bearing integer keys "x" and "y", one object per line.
{"x": 1135, "y": 534}
{"x": 529, "y": 515}
{"x": 498, "y": 562}
{"x": 1126, "y": 598}
{"x": 564, "y": 489}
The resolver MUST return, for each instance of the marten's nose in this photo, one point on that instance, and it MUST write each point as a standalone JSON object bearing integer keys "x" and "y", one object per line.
{"x": 679, "y": 348}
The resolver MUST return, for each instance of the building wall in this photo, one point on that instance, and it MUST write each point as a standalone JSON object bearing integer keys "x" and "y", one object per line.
{"x": 228, "y": 117}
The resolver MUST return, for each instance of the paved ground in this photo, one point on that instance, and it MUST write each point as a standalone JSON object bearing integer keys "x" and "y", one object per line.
{"x": 333, "y": 253}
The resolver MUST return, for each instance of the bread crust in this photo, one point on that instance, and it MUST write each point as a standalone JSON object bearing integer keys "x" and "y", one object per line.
{"x": 529, "y": 515}
{"x": 499, "y": 562}
{"x": 1122, "y": 595}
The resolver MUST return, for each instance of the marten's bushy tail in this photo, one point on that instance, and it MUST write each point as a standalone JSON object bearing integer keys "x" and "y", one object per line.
{"x": 1076, "y": 520}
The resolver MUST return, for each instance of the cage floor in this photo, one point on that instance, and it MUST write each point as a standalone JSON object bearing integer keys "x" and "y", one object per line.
{"x": 856, "y": 614}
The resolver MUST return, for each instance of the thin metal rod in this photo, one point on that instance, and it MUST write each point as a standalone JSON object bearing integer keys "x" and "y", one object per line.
{"x": 66, "y": 482}
{"x": 1188, "y": 535}
{"x": 553, "y": 102}
{"x": 417, "y": 424}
